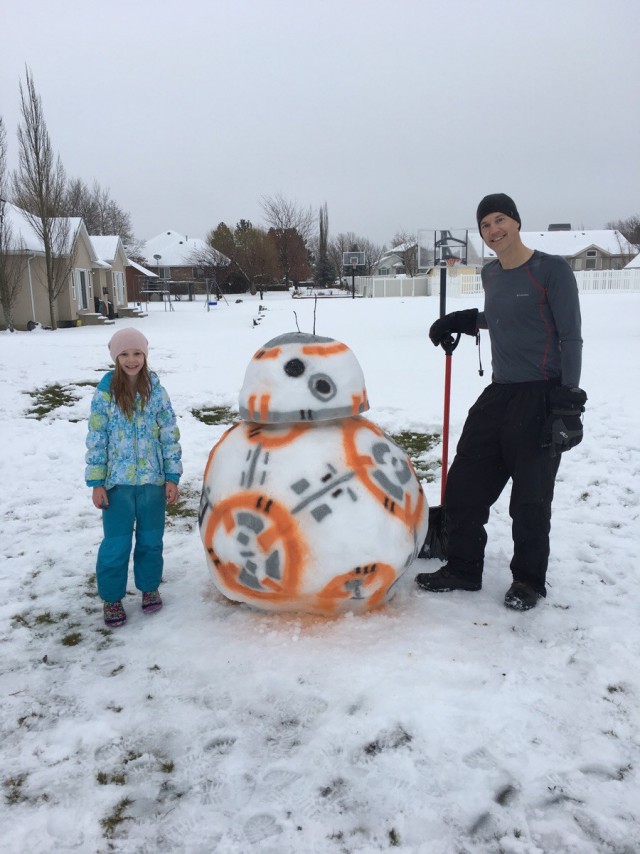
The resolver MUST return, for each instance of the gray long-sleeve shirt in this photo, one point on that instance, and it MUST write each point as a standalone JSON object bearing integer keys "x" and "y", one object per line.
{"x": 532, "y": 313}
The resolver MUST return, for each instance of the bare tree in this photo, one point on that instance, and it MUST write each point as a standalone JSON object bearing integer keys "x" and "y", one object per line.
{"x": 282, "y": 214}
{"x": 351, "y": 242}
{"x": 291, "y": 227}
{"x": 39, "y": 187}
{"x": 101, "y": 214}
{"x": 406, "y": 245}
{"x": 629, "y": 228}
{"x": 12, "y": 253}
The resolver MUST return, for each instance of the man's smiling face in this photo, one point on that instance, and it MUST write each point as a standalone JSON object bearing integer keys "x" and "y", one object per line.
{"x": 500, "y": 232}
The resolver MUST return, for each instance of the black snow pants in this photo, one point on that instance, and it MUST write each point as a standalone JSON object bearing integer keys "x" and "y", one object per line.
{"x": 501, "y": 440}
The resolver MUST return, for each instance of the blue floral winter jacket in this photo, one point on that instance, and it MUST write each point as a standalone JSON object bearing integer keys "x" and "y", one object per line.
{"x": 137, "y": 452}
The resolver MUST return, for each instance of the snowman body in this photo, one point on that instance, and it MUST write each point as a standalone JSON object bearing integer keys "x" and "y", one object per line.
{"x": 306, "y": 505}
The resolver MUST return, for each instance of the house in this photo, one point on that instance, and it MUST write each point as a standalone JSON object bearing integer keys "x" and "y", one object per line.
{"x": 78, "y": 263}
{"x": 110, "y": 292}
{"x": 601, "y": 249}
{"x": 399, "y": 260}
{"x": 174, "y": 257}
{"x": 139, "y": 280}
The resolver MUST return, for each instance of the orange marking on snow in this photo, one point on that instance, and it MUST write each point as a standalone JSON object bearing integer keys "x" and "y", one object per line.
{"x": 215, "y": 448}
{"x": 251, "y": 405}
{"x": 271, "y": 353}
{"x": 281, "y": 532}
{"x": 362, "y": 463}
{"x": 324, "y": 349}
{"x": 265, "y": 435}
{"x": 374, "y": 581}
{"x": 356, "y": 401}
{"x": 264, "y": 405}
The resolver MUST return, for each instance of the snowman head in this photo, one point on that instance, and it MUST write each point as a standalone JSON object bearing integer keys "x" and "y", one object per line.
{"x": 299, "y": 377}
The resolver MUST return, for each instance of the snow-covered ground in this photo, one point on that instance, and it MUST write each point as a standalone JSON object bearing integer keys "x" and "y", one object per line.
{"x": 441, "y": 724}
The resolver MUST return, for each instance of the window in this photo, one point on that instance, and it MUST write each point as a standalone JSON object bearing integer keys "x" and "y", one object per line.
{"x": 590, "y": 263}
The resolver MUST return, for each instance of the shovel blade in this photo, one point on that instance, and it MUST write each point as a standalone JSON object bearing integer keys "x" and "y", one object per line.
{"x": 436, "y": 542}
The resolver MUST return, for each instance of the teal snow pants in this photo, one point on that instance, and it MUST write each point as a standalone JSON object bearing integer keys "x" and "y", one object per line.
{"x": 142, "y": 508}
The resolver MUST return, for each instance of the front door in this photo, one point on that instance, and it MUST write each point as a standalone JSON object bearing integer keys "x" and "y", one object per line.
{"x": 82, "y": 296}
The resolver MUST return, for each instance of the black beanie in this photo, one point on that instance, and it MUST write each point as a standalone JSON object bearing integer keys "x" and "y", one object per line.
{"x": 497, "y": 203}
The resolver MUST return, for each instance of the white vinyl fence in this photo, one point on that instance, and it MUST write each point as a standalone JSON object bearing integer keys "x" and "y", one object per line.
{"x": 463, "y": 285}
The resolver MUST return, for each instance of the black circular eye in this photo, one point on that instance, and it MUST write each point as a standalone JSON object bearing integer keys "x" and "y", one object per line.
{"x": 322, "y": 387}
{"x": 294, "y": 368}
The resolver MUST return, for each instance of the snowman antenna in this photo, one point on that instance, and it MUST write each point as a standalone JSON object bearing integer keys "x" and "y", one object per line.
{"x": 315, "y": 306}
{"x": 297, "y": 324}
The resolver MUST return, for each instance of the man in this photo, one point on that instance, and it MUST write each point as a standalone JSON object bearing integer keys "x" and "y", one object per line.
{"x": 526, "y": 417}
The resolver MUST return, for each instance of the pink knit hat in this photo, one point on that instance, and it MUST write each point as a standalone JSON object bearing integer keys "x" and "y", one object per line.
{"x": 128, "y": 339}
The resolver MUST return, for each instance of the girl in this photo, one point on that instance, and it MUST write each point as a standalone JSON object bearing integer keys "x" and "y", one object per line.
{"x": 134, "y": 466}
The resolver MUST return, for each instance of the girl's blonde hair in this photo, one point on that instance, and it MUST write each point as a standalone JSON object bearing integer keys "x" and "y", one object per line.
{"x": 124, "y": 393}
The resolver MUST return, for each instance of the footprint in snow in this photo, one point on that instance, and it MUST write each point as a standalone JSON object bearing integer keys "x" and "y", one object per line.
{"x": 260, "y": 827}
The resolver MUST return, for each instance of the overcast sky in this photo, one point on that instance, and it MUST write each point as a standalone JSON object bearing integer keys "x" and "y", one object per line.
{"x": 399, "y": 114}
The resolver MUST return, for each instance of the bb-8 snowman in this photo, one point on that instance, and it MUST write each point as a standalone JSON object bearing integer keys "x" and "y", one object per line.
{"x": 306, "y": 505}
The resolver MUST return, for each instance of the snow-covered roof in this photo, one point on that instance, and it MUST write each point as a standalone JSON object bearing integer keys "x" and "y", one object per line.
{"x": 401, "y": 247}
{"x": 634, "y": 263}
{"x": 174, "y": 250}
{"x": 106, "y": 246}
{"x": 24, "y": 237}
{"x": 565, "y": 243}
{"x": 141, "y": 269}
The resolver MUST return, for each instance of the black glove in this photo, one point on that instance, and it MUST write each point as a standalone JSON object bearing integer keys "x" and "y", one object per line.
{"x": 457, "y": 321}
{"x": 563, "y": 427}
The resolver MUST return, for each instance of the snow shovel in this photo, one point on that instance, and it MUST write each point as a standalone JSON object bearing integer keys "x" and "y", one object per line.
{"x": 435, "y": 544}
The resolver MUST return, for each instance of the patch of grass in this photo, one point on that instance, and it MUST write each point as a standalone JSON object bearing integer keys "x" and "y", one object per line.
{"x": 186, "y": 507}
{"x": 111, "y": 823}
{"x": 388, "y": 741}
{"x": 25, "y": 719}
{"x": 394, "y": 838}
{"x": 50, "y": 397}
{"x": 20, "y": 620}
{"x": 72, "y": 639}
{"x": 417, "y": 444}
{"x": 118, "y": 779}
{"x": 13, "y": 789}
{"x": 167, "y": 767}
{"x": 215, "y": 415}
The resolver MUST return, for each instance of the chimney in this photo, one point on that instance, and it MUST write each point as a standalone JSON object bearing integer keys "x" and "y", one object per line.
{"x": 560, "y": 226}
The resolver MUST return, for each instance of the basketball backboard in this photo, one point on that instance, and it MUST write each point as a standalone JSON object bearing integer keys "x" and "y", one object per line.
{"x": 437, "y": 247}
{"x": 352, "y": 259}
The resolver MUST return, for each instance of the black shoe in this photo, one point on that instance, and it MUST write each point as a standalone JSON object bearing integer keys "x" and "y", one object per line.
{"x": 521, "y": 596}
{"x": 444, "y": 580}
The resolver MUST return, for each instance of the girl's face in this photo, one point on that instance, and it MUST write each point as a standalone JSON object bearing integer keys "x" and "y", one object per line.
{"x": 131, "y": 362}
